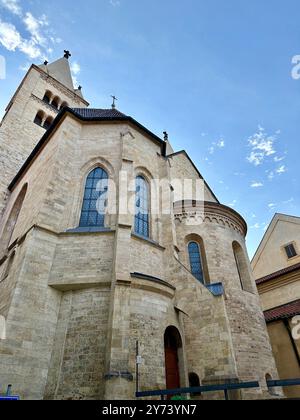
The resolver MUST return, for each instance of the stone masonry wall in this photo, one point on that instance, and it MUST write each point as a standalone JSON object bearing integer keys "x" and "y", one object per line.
{"x": 18, "y": 133}
{"x": 77, "y": 364}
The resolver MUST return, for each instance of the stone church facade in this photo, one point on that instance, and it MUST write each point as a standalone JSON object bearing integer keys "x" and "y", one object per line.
{"x": 82, "y": 281}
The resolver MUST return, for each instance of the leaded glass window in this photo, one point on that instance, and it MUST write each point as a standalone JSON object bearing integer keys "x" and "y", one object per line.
{"x": 95, "y": 199}
{"x": 196, "y": 262}
{"x": 142, "y": 226}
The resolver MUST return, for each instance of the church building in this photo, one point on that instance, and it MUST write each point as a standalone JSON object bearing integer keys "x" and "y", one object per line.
{"x": 91, "y": 269}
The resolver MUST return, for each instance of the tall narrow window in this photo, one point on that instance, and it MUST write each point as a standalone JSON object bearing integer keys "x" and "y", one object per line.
{"x": 142, "y": 226}
{"x": 196, "y": 261}
{"x": 55, "y": 103}
{"x": 95, "y": 199}
{"x": 64, "y": 105}
{"x": 242, "y": 267}
{"x": 47, "y": 97}
{"x": 48, "y": 123}
{"x": 39, "y": 118}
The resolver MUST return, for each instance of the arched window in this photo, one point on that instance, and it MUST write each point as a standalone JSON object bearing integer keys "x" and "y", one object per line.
{"x": 39, "y": 118}
{"x": 55, "y": 103}
{"x": 194, "y": 382}
{"x": 242, "y": 267}
{"x": 142, "y": 225}
{"x": 271, "y": 390}
{"x": 48, "y": 123}
{"x": 196, "y": 261}
{"x": 64, "y": 105}
{"x": 12, "y": 220}
{"x": 47, "y": 97}
{"x": 95, "y": 199}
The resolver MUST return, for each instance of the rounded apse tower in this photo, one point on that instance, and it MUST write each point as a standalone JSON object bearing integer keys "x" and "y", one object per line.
{"x": 225, "y": 335}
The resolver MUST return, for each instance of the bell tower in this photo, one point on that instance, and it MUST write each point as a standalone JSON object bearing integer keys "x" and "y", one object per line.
{"x": 43, "y": 92}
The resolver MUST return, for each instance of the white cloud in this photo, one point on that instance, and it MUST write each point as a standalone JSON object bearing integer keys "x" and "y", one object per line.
{"x": 232, "y": 204}
{"x": 271, "y": 206}
{"x": 291, "y": 200}
{"x": 75, "y": 70}
{"x": 221, "y": 144}
{"x": 29, "y": 48}
{"x": 271, "y": 174}
{"x": 115, "y": 3}
{"x": 278, "y": 159}
{"x": 262, "y": 146}
{"x": 13, "y": 6}
{"x": 257, "y": 185}
{"x": 34, "y": 26}
{"x": 256, "y": 226}
{"x": 10, "y": 38}
{"x": 36, "y": 45}
{"x": 25, "y": 67}
{"x": 281, "y": 170}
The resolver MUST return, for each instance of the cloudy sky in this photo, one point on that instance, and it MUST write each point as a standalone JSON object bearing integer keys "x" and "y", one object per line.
{"x": 216, "y": 75}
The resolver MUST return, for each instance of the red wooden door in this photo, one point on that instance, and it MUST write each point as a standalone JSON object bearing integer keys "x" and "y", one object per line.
{"x": 172, "y": 368}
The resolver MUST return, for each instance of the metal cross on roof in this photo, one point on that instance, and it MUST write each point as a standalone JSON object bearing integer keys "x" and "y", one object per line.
{"x": 114, "y": 101}
{"x": 67, "y": 54}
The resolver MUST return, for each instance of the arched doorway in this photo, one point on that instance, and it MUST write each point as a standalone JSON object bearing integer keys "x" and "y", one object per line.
{"x": 172, "y": 345}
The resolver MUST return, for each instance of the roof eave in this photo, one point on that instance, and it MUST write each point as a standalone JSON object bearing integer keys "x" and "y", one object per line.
{"x": 69, "y": 111}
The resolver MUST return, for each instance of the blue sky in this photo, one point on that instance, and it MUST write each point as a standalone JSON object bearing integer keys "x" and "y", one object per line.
{"x": 215, "y": 74}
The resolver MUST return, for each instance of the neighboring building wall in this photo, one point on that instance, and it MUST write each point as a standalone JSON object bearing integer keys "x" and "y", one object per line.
{"x": 286, "y": 360}
{"x": 272, "y": 256}
{"x": 278, "y": 282}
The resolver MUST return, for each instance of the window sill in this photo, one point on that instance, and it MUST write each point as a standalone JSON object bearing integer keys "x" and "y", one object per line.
{"x": 90, "y": 230}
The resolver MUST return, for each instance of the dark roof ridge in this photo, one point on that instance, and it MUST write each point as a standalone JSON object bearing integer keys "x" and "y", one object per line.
{"x": 82, "y": 114}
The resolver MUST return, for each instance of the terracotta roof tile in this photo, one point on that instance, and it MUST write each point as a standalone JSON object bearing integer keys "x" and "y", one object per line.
{"x": 283, "y": 312}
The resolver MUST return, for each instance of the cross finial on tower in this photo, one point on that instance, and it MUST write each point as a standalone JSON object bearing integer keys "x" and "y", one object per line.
{"x": 67, "y": 54}
{"x": 166, "y": 136}
{"x": 114, "y": 102}
{"x": 46, "y": 63}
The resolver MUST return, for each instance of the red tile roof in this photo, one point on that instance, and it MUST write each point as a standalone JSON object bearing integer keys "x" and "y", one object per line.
{"x": 279, "y": 273}
{"x": 283, "y": 312}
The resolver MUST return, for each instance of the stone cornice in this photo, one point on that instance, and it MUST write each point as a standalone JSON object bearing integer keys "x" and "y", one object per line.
{"x": 210, "y": 212}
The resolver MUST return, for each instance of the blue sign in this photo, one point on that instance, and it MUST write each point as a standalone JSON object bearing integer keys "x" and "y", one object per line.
{"x": 10, "y": 398}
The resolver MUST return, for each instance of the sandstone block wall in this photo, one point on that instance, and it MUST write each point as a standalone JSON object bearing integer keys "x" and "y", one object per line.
{"x": 74, "y": 308}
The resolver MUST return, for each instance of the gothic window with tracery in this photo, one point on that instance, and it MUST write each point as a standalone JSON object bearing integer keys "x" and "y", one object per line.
{"x": 142, "y": 225}
{"x": 95, "y": 199}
